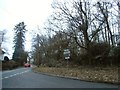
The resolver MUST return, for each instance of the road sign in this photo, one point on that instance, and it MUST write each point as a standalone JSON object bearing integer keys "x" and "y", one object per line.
{"x": 66, "y": 53}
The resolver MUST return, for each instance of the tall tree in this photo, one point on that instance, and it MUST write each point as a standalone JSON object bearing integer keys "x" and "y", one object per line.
{"x": 105, "y": 11}
{"x": 76, "y": 20}
{"x": 19, "y": 38}
{"x": 40, "y": 48}
{"x": 2, "y": 33}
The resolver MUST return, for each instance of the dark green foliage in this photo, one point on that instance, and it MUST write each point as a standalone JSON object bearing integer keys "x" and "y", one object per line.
{"x": 22, "y": 58}
{"x": 19, "y": 54}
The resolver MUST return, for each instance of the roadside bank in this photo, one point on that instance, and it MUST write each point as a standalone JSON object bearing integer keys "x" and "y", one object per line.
{"x": 97, "y": 74}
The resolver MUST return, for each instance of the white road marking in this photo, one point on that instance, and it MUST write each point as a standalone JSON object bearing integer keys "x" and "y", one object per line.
{"x": 10, "y": 71}
{"x": 15, "y": 74}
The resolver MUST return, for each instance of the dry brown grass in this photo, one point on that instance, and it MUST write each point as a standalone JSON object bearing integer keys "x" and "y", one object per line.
{"x": 109, "y": 74}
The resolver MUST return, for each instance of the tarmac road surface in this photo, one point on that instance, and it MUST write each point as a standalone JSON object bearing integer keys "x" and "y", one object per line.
{"x": 25, "y": 78}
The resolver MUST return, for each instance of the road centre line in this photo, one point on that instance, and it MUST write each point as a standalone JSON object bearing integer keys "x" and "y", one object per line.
{"x": 10, "y": 71}
{"x": 15, "y": 74}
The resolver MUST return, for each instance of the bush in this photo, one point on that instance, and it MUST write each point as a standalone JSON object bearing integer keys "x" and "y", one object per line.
{"x": 51, "y": 63}
{"x": 6, "y": 65}
{"x": 115, "y": 53}
{"x": 97, "y": 54}
{"x": 83, "y": 59}
{"x": 12, "y": 64}
{"x": 97, "y": 49}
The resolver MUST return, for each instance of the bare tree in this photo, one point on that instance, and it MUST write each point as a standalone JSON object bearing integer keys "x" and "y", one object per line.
{"x": 104, "y": 9}
{"x": 76, "y": 20}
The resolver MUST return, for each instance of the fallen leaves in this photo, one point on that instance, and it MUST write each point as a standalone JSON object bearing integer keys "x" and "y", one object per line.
{"x": 109, "y": 74}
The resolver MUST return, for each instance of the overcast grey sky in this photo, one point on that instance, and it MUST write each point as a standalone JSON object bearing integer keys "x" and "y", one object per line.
{"x": 32, "y": 12}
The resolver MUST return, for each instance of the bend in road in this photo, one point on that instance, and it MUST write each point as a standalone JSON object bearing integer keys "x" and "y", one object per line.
{"x": 25, "y": 78}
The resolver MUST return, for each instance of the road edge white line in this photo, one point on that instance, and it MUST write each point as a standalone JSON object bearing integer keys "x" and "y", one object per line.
{"x": 15, "y": 74}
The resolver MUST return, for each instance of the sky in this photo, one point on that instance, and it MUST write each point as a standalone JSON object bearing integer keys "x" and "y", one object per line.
{"x": 33, "y": 12}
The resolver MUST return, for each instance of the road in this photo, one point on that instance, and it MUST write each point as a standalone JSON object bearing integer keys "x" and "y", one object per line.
{"x": 25, "y": 78}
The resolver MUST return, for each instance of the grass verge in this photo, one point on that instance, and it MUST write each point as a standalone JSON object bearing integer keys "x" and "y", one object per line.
{"x": 96, "y": 74}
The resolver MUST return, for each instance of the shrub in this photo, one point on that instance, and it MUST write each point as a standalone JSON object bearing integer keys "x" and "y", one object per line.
{"x": 83, "y": 59}
{"x": 6, "y": 65}
{"x": 115, "y": 53}
{"x": 99, "y": 49}
{"x": 12, "y": 64}
{"x": 51, "y": 63}
{"x": 96, "y": 55}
